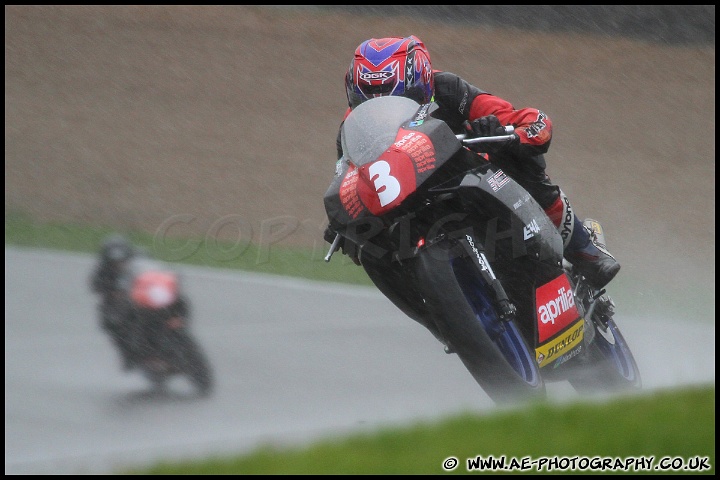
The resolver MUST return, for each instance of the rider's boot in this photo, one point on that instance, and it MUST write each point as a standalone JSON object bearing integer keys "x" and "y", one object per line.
{"x": 583, "y": 245}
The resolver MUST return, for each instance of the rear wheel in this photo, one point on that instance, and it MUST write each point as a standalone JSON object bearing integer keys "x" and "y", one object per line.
{"x": 611, "y": 366}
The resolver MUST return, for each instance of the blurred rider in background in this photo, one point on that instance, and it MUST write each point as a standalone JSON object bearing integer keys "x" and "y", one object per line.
{"x": 111, "y": 280}
{"x": 401, "y": 66}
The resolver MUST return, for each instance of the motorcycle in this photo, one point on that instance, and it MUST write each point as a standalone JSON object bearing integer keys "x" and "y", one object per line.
{"x": 161, "y": 340}
{"x": 461, "y": 248}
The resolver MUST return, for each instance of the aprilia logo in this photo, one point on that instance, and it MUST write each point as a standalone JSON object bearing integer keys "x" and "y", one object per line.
{"x": 404, "y": 139}
{"x": 554, "y": 308}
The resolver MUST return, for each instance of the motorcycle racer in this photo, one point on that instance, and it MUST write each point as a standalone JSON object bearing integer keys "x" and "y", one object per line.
{"x": 111, "y": 280}
{"x": 135, "y": 291}
{"x": 401, "y": 66}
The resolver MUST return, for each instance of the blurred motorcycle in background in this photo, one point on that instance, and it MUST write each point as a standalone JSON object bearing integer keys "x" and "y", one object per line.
{"x": 163, "y": 344}
{"x": 146, "y": 312}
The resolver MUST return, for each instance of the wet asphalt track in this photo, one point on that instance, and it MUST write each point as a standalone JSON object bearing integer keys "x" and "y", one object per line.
{"x": 294, "y": 361}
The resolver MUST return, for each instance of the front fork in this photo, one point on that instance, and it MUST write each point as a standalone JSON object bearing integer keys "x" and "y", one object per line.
{"x": 506, "y": 307}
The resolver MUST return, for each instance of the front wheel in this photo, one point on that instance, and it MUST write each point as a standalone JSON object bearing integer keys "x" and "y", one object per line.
{"x": 194, "y": 363}
{"x": 493, "y": 351}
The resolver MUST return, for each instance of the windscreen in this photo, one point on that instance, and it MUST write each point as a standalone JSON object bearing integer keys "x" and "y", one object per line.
{"x": 372, "y": 126}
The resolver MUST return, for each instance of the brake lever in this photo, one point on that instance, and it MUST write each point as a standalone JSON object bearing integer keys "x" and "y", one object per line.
{"x": 333, "y": 247}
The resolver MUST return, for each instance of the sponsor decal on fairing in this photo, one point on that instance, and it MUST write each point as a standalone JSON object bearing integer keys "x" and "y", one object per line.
{"x": 420, "y": 116}
{"x": 531, "y": 229}
{"x": 498, "y": 180}
{"x": 482, "y": 260}
{"x": 555, "y": 307}
{"x": 568, "y": 356}
{"x": 564, "y": 344}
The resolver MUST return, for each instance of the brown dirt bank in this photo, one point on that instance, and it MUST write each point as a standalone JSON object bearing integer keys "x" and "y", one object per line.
{"x": 131, "y": 116}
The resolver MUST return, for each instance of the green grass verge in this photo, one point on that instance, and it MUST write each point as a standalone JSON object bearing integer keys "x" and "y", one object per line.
{"x": 21, "y": 230}
{"x": 664, "y": 424}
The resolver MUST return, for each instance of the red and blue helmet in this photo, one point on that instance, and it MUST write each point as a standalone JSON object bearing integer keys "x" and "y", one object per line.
{"x": 390, "y": 66}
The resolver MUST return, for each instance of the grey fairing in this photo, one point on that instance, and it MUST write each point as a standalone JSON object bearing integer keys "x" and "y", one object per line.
{"x": 532, "y": 232}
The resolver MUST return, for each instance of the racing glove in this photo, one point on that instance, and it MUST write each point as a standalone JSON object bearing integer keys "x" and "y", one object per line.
{"x": 489, "y": 126}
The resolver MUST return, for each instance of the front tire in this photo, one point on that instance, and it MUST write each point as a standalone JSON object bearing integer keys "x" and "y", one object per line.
{"x": 194, "y": 363}
{"x": 498, "y": 358}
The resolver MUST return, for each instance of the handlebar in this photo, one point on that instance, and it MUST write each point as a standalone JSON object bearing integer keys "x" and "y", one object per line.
{"x": 509, "y": 130}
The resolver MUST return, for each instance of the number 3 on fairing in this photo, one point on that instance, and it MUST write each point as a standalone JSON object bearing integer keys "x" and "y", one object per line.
{"x": 380, "y": 176}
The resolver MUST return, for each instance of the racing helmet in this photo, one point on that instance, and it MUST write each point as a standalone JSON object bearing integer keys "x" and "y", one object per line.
{"x": 390, "y": 66}
{"x": 116, "y": 248}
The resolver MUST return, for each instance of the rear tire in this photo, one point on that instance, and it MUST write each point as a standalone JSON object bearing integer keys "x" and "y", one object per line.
{"x": 611, "y": 364}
